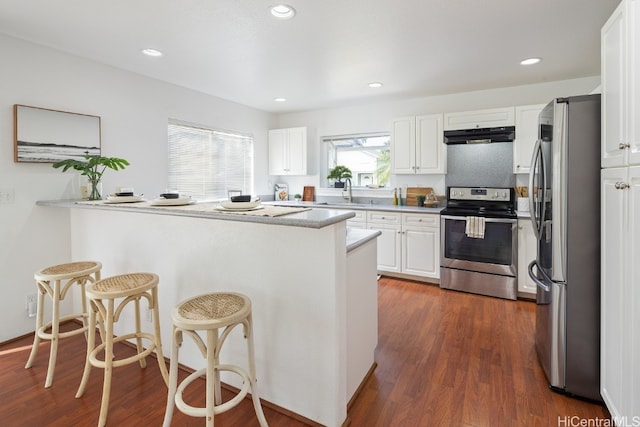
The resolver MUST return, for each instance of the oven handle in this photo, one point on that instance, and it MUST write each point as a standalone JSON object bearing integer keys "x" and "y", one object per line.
{"x": 464, "y": 217}
{"x": 537, "y": 281}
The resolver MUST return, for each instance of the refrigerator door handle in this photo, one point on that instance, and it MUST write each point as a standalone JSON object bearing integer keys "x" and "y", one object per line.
{"x": 537, "y": 281}
{"x": 537, "y": 156}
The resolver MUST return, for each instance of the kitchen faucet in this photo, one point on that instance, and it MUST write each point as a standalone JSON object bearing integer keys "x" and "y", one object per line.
{"x": 347, "y": 189}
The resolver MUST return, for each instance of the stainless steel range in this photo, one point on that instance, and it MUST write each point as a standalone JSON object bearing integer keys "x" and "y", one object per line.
{"x": 479, "y": 241}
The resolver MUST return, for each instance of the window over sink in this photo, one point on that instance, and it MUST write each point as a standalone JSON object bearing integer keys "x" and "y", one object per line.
{"x": 207, "y": 163}
{"x": 366, "y": 155}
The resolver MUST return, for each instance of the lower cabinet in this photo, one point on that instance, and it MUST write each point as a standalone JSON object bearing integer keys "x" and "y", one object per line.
{"x": 421, "y": 245}
{"x": 409, "y": 244}
{"x": 389, "y": 242}
{"x": 527, "y": 252}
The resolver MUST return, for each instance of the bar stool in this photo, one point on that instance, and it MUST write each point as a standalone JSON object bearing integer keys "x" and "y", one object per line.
{"x": 104, "y": 310}
{"x": 211, "y": 312}
{"x": 56, "y": 281}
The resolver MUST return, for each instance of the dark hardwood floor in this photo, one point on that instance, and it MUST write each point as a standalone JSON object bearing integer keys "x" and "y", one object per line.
{"x": 444, "y": 358}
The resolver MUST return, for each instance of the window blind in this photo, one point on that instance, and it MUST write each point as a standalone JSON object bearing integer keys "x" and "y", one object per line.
{"x": 206, "y": 163}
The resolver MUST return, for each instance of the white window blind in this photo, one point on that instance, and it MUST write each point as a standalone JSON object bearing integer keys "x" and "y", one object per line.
{"x": 206, "y": 163}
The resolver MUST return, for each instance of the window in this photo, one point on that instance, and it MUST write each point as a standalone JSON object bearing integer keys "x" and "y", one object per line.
{"x": 366, "y": 155}
{"x": 206, "y": 163}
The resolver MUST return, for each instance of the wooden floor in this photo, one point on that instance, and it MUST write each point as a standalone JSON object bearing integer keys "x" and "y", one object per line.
{"x": 444, "y": 358}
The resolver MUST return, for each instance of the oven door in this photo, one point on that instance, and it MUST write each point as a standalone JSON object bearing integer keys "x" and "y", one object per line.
{"x": 496, "y": 253}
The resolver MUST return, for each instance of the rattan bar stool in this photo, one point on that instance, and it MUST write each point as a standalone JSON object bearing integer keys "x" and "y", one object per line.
{"x": 210, "y": 313}
{"x": 56, "y": 281}
{"x": 106, "y": 311}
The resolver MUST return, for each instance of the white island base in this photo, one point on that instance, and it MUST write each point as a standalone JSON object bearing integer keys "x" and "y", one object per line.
{"x": 314, "y": 303}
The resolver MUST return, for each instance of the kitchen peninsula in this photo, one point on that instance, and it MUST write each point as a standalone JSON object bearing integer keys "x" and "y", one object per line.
{"x": 312, "y": 282}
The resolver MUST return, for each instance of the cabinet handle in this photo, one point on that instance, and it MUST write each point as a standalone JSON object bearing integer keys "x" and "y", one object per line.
{"x": 621, "y": 185}
{"x": 622, "y": 146}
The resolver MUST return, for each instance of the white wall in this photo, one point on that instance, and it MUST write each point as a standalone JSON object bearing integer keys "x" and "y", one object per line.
{"x": 376, "y": 117}
{"x": 134, "y": 112}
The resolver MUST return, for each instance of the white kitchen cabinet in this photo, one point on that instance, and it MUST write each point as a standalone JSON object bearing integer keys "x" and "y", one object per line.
{"x": 527, "y": 252}
{"x": 620, "y": 212}
{"x": 417, "y": 145}
{"x": 620, "y": 77}
{"x": 526, "y": 121}
{"x": 421, "y": 245}
{"x": 288, "y": 151}
{"x": 495, "y": 117}
{"x": 358, "y": 221}
{"x": 389, "y": 242}
{"x": 620, "y": 304}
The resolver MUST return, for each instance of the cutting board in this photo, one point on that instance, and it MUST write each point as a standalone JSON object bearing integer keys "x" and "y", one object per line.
{"x": 412, "y": 192}
{"x": 308, "y": 193}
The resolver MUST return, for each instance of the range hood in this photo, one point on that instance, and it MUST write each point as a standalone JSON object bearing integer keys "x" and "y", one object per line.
{"x": 480, "y": 136}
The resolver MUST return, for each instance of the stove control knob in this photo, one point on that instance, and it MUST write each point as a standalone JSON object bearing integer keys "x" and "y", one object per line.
{"x": 504, "y": 195}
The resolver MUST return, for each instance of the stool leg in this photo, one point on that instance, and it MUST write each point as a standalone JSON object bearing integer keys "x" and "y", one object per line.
{"x": 108, "y": 363}
{"x": 39, "y": 325}
{"x": 252, "y": 373}
{"x": 143, "y": 361}
{"x": 55, "y": 330}
{"x": 213, "y": 394}
{"x": 157, "y": 337}
{"x": 91, "y": 341}
{"x": 173, "y": 376}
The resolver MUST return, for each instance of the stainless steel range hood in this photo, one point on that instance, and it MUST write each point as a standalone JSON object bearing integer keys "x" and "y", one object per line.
{"x": 480, "y": 136}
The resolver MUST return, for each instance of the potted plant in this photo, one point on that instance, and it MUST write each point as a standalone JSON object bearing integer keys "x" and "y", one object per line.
{"x": 297, "y": 197}
{"x": 93, "y": 168}
{"x": 339, "y": 173}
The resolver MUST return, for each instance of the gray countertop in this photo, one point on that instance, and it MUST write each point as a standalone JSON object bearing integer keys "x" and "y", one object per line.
{"x": 359, "y": 206}
{"x": 357, "y": 237}
{"x": 312, "y": 218}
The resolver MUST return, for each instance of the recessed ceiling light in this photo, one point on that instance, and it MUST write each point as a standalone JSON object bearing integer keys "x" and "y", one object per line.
{"x": 530, "y": 61}
{"x": 283, "y": 11}
{"x": 151, "y": 52}
{"x": 375, "y": 84}
{"x": 280, "y": 99}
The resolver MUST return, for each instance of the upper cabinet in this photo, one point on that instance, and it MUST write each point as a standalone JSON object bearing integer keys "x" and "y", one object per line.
{"x": 288, "y": 151}
{"x": 620, "y": 79}
{"x": 526, "y": 135}
{"x": 417, "y": 145}
{"x": 496, "y": 117}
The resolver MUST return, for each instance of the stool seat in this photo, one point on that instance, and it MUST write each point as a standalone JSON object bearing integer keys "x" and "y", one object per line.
{"x": 102, "y": 295}
{"x": 210, "y": 313}
{"x": 56, "y": 281}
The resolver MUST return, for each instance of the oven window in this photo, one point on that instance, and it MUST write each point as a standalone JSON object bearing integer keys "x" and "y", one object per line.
{"x": 495, "y": 248}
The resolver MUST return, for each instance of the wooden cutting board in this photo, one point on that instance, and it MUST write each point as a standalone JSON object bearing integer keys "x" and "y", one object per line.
{"x": 308, "y": 194}
{"x": 412, "y": 192}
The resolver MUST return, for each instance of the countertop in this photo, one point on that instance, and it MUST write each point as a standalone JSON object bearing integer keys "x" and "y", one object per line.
{"x": 311, "y": 218}
{"x": 357, "y": 237}
{"x": 359, "y": 206}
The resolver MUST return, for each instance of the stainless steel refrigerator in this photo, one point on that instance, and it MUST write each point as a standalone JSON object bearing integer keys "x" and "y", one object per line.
{"x": 564, "y": 196}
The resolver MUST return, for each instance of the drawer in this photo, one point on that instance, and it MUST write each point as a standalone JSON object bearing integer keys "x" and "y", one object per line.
{"x": 383, "y": 217}
{"x": 426, "y": 220}
{"x": 361, "y": 216}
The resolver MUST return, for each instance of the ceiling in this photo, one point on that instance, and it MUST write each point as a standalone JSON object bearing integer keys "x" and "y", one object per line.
{"x": 330, "y": 51}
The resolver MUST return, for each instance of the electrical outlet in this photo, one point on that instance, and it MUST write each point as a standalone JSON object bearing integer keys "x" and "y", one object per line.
{"x": 32, "y": 304}
{"x": 7, "y": 195}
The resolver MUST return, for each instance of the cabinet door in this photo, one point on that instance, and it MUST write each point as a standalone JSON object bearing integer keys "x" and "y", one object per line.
{"x": 403, "y": 151}
{"x": 479, "y": 119}
{"x": 633, "y": 73}
{"x": 613, "y": 75}
{"x": 614, "y": 345}
{"x": 297, "y": 139}
{"x": 633, "y": 287}
{"x": 526, "y": 136}
{"x": 388, "y": 247}
{"x": 527, "y": 252}
{"x": 277, "y": 152}
{"x": 420, "y": 251}
{"x": 430, "y": 148}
